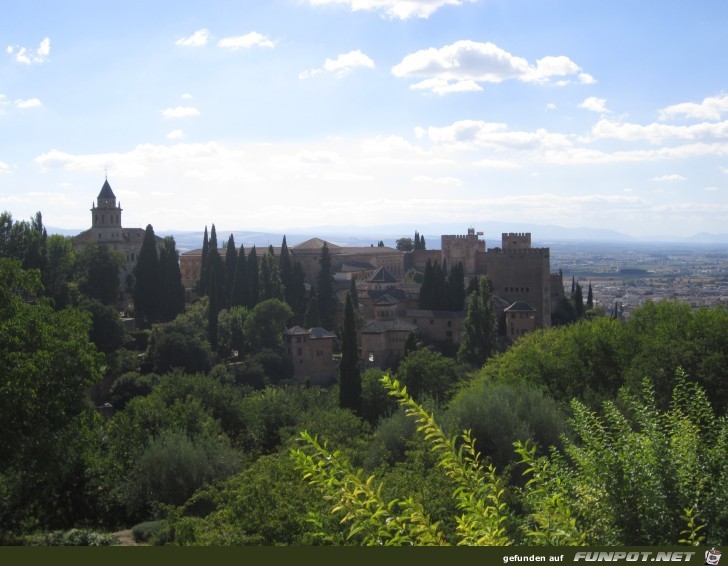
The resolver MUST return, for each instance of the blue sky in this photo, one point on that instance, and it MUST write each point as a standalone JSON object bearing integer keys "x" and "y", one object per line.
{"x": 284, "y": 114}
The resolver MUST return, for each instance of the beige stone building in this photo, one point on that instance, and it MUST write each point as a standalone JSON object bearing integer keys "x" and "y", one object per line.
{"x": 312, "y": 354}
{"x": 106, "y": 229}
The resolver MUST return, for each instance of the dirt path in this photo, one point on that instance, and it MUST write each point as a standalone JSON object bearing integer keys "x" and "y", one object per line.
{"x": 125, "y": 538}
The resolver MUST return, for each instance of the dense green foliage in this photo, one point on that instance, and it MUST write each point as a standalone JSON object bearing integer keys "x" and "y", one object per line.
{"x": 613, "y": 443}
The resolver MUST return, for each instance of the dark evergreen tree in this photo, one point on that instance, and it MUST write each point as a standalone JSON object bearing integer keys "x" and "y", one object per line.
{"x": 271, "y": 286}
{"x": 418, "y": 243}
{"x": 579, "y": 302}
{"x": 573, "y": 285}
{"x": 349, "y": 376}
{"x": 286, "y": 268}
{"x": 411, "y": 344}
{"x": 427, "y": 289}
{"x": 146, "y": 281}
{"x": 253, "y": 281}
{"x": 455, "y": 285}
{"x": 241, "y": 296}
{"x": 480, "y": 329}
{"x": 231, "y": 263}
{"x": 298, "y": 293}
{"x": 271, "y": 250}
{"x": 312, "y": 318}
{"x": 98, "y": 273}
{"x": 354, "y": 294}
{"x": 172, "y": 292}
{"x": 213, "y": 310}
{"x": 326, "y": 290}
{"x": 439, "y": 293}
{"x": 202, "y": 281}
{"x": 590, "y": 297}
{"x": 215, "y": 263}
{"x": 423, "y": 246}
{"x": 35, "y": 254}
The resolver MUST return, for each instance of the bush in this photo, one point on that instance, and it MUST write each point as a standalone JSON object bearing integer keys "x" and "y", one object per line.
{"x": 499, "y": 414}
{"x": 144, "y": 532}
{"x": 74, "y": 537}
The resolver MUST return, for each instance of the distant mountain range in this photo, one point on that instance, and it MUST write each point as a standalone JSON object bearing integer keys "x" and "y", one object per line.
{"x": 542, "y": 234}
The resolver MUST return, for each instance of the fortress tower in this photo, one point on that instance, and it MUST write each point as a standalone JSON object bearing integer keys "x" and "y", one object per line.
{"x": 462, "y": 249}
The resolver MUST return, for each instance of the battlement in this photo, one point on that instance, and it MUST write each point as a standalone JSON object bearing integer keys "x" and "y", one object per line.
{"x": 516, "y": 240}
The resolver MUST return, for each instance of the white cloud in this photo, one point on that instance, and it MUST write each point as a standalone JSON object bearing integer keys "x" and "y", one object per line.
{"x": 594, "y": 104}
{"x": 343, "y": 65}
{"x": 551, "y": 106}
{"x": 252, "y": 39}
{"x": 29, "y": 103}
{"x": 28, "y": 56}
{"x": 4, "y": 168}
{"x": 586, "y": 79}
{"x": 660, "y": 133}
{"x": 448, "y": 181}
{"x": 497, "y": 164}
{"x": 187, "y": 96}
{"x": 712, "y": 108}
{"x": 400, "y": 9}
{"x": 462, "y": 65}
{"x": 476, "y": 133}
{"x": 175, "y": 135}
{"x": 197, "y": 39}
{"x": 711, "y": 189}
{"x": 180, "y": 112}
{"x": 674, "y": 178}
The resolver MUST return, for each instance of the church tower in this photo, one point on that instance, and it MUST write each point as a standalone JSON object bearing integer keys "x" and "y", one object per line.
{"x": 106, "y": 216}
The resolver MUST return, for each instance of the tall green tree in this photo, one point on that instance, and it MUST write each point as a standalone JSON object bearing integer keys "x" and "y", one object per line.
{"x": 213, "y": 310}
{"x": 480, "y": 328}
{"x": 59, "y": 269}
{"x": 286, "y": 268}
{"x": 455, "y": 286}
{"x": 325, "y": 289}
{"x": 231, "y": 261}
{"x": 215, "y": 263}
{"x": 312, "y": 318}
{"x": 579, "y": 301}
{"x": 240, "y": 295}
{"x": 97, "y": 273}
{"x": 172, "y": 292}
{"x": 253, "y": 279}
{"x": 590, "y": 297}
{"x": 47, "y": 365}
{"x": 146, "y": 281}
{"x": 354, "y": 295}
{"x": 271, "y": 286}
{"x": 297, "y": 293}
{"x": 202, "y": 282}
{"x": 350, "y": 396}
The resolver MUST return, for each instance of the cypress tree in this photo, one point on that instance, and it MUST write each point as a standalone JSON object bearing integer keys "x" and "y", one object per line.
{"x": 213, "y": 308}
{"x": 455, "y": 285}
{"x": 579, "y": 302}
{"x": 202, "y": 281}
{"x": 240, "y": 296}
{"x": 231, "y": 261}
{"x": 354, "y": 294}
{"x": 215, "y": 263}
{"x": 146, "y": 280}
{"x": 298, "y": 293}
{"x": 427, "y": 289}
{"x": 271, "y": 286}
{"x": 439, "y": 291}
{"x": 312, "y": 318}
{"x": 349, "y": 376}
{"x": 422, "y": 243}
{"x": 172, "y": 292}
{"x": 253, "y": 281}
{"x": 590, "y": 297}
{"x": 573, "y": 285}
{"x": 326, "y": 291}
{"x": 284, "y": 263}
{"x": 480, "y": 328}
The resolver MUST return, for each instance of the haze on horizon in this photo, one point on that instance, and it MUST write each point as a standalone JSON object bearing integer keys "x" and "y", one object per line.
{"x": 281, "y": 115}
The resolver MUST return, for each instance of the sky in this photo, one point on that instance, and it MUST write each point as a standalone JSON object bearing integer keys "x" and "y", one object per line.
{"x": 281, "y": 115}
